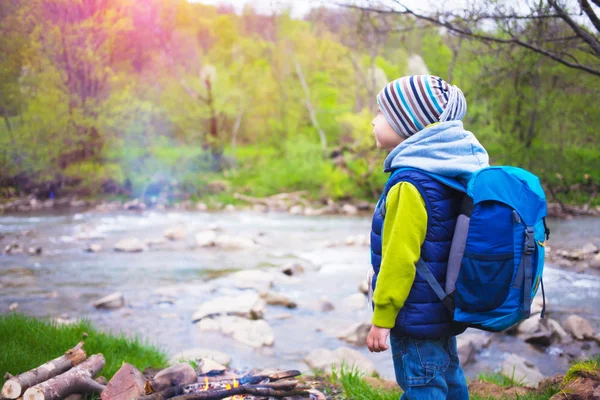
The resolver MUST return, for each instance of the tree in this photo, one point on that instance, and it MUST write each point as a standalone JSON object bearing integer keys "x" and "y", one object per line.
{"x": 551, "y": 28}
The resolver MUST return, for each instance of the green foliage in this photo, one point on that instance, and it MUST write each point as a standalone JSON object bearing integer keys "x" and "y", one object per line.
{"x": 114, "y": 93}
{"x": 355, "y": 388}
{"x": 499, "y": 379}
{"x": 585, "y": 367}
{"x": 28, "y": 343}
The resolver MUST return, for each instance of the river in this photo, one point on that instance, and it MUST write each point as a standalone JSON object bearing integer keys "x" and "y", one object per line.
{"x": 164, "y": 285}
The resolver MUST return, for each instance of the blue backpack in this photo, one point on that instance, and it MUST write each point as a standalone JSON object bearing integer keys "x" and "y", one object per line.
{"x": 497, "y": 253}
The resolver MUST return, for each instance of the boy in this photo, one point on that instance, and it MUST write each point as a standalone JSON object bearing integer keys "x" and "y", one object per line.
{"x": 419, "y": 119}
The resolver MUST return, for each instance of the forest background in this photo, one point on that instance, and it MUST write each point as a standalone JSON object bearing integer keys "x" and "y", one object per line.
{"x": 175, "y": 100}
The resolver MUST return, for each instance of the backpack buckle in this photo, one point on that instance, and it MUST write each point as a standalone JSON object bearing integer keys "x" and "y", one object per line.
{"x": 529, "y": 240}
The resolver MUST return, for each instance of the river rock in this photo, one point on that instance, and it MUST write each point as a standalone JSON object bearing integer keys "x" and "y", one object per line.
{"x": 595, "y": 262}
{"x": 469, "y": 343}
{"x": 13, "y": 248}
{"x": 522, "y": 370}
{"x": 356, "y": 334}
{"x": 558, "y": 331}
{"x": 578, "y": 327}
{"x": 134, "y": 205}
{"x": 175, "y": 233}
{"x": 178, "y": 374}
{"x": 94, "y": 248}
{"x": 533, "y": 330}
{"x": 590, "y": 248}
{"x": 35, "y": 251}
{"x": 571, "y": 255}
{"x": 206, "y": 238}
{"x": 127, "y": 383}
{"x": 112, "y": 301}
{"x": 253, "y": 279}
{"x": 198, "y": 353}
{"x": 327, "y": 360}
{"x": 292, "y": 269}
{"x": 466, "y": 351}
{"x": 324, "y": 305}
{"x": 252, "y": 333}
{"x": 276, "y": 299}
{"x": 247, "y": 305}
{"x": 206, "y": 365}
{"x": 363, "y": 287}
{"x": 530, "y": 325}
{"x": 355, "y": 302}
{"x": 234, "y": 242}
{"x": 130, "y": 245}
{"x": 479, "y": 340}
{"x": 296, "y": 209}
{"x": 349, "y": 209}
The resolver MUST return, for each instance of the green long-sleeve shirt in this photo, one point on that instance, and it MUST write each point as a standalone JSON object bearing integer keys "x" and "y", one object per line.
{"x": 404, "y": 230}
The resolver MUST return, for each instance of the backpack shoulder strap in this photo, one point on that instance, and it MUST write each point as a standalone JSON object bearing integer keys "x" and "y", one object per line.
{"x": 446, "y": 299}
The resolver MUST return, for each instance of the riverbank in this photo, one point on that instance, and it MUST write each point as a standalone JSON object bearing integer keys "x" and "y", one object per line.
{"x": 31, "y": 342}
{"x": 299, "y": 202}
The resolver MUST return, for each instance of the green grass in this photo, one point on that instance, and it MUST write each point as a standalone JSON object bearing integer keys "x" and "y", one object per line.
{"x": 499, "y": 380}
{"x": 29, "y": 342}
{"x": 586, "y": 367}
{"x": 355, "y": 388}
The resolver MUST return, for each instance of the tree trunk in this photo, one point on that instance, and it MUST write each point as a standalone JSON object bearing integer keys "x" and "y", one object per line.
{"x": 79, "y": 379}
{"x": 309, "y": 106}
{"x": 15, "y": 386}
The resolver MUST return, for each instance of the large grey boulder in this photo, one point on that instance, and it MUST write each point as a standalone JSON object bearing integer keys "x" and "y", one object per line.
{"x": 130, "y": 245}
{"x": 253, "y": 279}
{"x": 469, "y": 343}
{"x": 175, "y": 233}
{"x": 206, "y": 238}
{"x": 578, "y": 327}
{"x": 252, "y": 333}
{"x": 276, "y": 299}
{"x": 247, "y": 305}
{"x": 522, "y": 370}
{"x": 595, "y": 262}
{"x": 356, "y": 334}
{"x": 112, "y": 301}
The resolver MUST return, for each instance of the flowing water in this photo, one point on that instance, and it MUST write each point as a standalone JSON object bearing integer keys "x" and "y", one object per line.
{"x": 164, "y": 285}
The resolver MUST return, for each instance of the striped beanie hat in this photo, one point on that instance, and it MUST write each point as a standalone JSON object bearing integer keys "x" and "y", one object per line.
{"x": 413, "y": 102}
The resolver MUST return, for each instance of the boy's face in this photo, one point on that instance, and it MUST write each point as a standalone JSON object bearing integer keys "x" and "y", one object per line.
{"x": 385, "y": 135}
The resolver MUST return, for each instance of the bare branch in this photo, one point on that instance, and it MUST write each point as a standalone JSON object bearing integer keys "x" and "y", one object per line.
{"x": 580, "y": 31}
{"x": 490, "y": 38}
{"x": 585, "y": 6}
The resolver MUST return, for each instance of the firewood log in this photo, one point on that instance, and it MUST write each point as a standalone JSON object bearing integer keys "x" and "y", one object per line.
{"x": 79, "y": 379}
{"x": 275, "y": 389}
{"x": 15, "y": 386}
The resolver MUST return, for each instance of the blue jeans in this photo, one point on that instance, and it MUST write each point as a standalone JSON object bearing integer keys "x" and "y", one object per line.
{"x": 428, "y": 369}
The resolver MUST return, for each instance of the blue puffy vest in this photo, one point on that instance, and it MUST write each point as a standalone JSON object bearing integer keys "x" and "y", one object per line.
{"x": 423, "y": 315}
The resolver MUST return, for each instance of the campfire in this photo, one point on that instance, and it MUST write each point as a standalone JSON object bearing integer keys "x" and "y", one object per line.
{"x": 227, "y": 384}
{"x": 74, "y": 374}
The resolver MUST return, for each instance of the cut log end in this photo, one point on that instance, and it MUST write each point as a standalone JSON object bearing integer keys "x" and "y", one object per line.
{"x": 11, "y": 389}
{"x": 34, "y": 394}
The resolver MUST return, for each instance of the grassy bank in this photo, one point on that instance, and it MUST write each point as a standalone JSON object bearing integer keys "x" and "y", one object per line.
{"x": 28, "y": 342}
